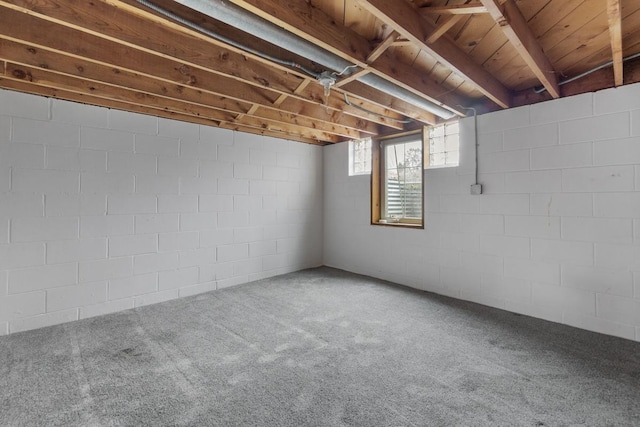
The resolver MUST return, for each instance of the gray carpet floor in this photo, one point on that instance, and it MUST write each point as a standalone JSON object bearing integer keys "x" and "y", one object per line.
{"x": 319, "y": 347}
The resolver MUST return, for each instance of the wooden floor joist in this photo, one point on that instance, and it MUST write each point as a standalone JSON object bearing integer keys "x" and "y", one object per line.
{"x": 450, "y": 54}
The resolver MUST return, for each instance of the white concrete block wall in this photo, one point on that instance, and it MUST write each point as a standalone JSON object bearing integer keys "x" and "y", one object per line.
{"x": 555, "y": 235}
{"x": 104, "y": 210}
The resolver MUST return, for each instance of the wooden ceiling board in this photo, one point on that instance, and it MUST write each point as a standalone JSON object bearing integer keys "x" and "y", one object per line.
{"x": 571, "y": 24}
{"x": 471, "y": 31}
{"x": 631, "y": 39}
{"x": 359, "y": 20}
{"x": 333, "y": 8}
{"x": 521, "y": 79}
{"x": 408, "y": 22}
{"x": 493, "y": 42}
{"x": 600, "y": 56}
{"x": 147, "y": 38}
{"x": 409, "y": 54}
{"x": 528, "y": 8}
{"x": 450, "y": 81}
{"x": 514, "y": 24}
{"x": 517, "y": 74}
{"x": 501, "y": 58}
{"x": 453, "y": 81}
{"x": 470, "y": 90}
{"x": 592, "y": 37}
{"x": 194, "y": 82}
{"x": 431, "y": 67}
{"x": 119, "y": 54}
{"x": 551, "y": 14}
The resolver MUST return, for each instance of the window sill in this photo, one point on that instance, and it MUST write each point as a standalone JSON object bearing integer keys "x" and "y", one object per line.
{"x": 398, "y": 224}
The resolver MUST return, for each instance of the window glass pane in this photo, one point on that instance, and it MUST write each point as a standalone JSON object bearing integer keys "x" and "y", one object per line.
{"x": 402, "y": 187}
{"x": 436, "y": 131}
{"x": 452, "y": 158}
{"x": 451, "y": 143}
{"x": 444, "y": 145}
{"x": 360, "y": 157}
{"x": 436, "y": 145}
{"x": 452, "y": 129}
{"x": 437, "y": 159}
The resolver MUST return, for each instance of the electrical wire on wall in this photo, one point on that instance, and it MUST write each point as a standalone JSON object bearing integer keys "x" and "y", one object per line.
{"x": 586, "y": 73}
{"x": 476, "y": 187}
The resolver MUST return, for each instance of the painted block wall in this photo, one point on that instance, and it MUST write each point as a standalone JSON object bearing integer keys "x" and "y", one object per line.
{"x": 556, "y": 234}
{"x": 104, "y": 210}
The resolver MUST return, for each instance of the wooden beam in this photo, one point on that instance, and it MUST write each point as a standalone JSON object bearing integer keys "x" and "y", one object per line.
{"x": 51, "y": 79}
{"x": 443, "y": 27}
{"x": 298, "y": 91}
{"x": 352, "y": 77}
{"x": 50, "y": 92}
{"x": 402, "y": 43}
{"x": 153, "y": 111}
{"x": 382, "y": 47}
{"x": 162, "y": 93}
{"x": 123, "y": 39}
{"x": 615, "y": 29}
{"x": 392, "y": 103}
{"x": 515, "y": 27}
{"x": 249, "y": 112}
{"x": 406, "y": 19}
{"x": 136, "y": 28}
{"x": 595, "y": 81}
{"x": 305, "y": 20}
{"x": 458, "y": 9}
{"x": 117, "y": 60}
{"x": 375, "y": 54}
{"x": 278, "y": 52}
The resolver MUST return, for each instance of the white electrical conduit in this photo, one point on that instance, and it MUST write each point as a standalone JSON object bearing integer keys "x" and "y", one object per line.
{"x": 475, "y": 137}
{"x": 241, "y": 19}
{"x": 586, "y": 73}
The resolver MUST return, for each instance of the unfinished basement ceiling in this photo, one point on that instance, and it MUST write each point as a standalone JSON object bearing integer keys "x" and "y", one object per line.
{"x": 408, "y": 62}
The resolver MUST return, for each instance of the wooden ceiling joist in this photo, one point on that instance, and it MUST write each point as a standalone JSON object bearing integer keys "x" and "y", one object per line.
{"x": 375, "y": 54}
{"x": 74, "y": 43}
{"x": 202, "y": 72}
{"x": 614, "y": 15}
{"x": 406, "y": 20}
{"x": 456, "y": 9}
{"x": 514, "y": 26}
{"x": 31, "y": 56}
{"x": 352, "y": 77}
{"x": 153, "y": 111}
{"x": 166, "y": 59}
{"x": 50, "y": 79}
{"x": 443, "y": 27}
{"x": 303, "y": 19}
{"x": 382, "y": 47}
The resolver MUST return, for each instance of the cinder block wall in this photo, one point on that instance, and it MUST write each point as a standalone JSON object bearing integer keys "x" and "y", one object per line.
{"x": 556, "y": 234}
{"x": 103, "y": 210}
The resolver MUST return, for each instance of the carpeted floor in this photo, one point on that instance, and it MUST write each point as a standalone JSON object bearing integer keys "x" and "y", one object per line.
{"x": 319, "y": 347}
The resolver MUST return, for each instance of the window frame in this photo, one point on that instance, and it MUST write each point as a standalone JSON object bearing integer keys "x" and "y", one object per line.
{"x": 378, "y": 197}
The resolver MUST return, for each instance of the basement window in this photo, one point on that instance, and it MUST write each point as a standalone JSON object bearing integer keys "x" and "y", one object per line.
{"x": 444, "y": 145}
{"x": 397, "y": 180}
{"x": 360, "y": 157}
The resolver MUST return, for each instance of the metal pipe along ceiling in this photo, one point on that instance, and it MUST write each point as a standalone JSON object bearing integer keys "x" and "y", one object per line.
{"x": 241, "y": 19}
